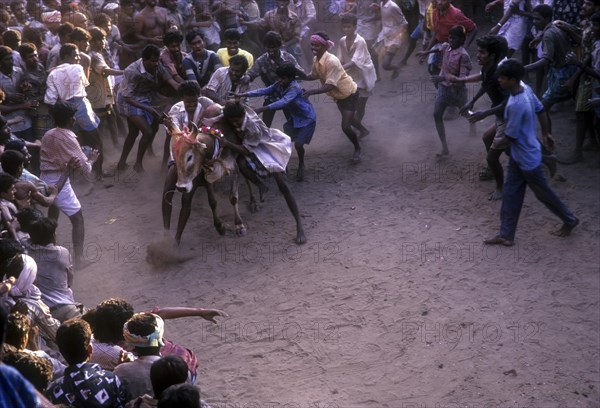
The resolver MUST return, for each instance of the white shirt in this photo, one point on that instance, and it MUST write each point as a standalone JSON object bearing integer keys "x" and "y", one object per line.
{"x": 64, "y": 82}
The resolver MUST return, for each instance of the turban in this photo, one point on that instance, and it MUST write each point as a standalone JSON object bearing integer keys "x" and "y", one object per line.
{"x": 24, "y": 286}
{"x": 153, "y": 339}
{"x": 318, "y": 39}
{"x": 51, "y": 17}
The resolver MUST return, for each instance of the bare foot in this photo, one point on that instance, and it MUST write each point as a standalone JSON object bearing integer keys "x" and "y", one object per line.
{"x": 499, "y": 241}
{"x": 443, "y": 154}
{"x": 356, "y": 156}
{"x": 300, "y": 173}
{"x": 495, "y": 196}
{"x": 300, "y": 237}
{"x": 566, "y": 229}
{"x": 138, "y": 168}
{"x": 262, "y": 190}
{"x": 396, "y": 73}
{"x": 122, "y": 166}
{"x": 364, "y": 132}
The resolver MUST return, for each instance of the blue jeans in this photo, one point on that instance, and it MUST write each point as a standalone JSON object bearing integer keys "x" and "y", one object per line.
{"x": 513, "y": 194}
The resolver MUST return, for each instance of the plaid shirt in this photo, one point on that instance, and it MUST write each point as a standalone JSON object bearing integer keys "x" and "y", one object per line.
{"x": 265, "y": 67}
{"x": 59, "y": 146}
{"x": 287, "y": 25}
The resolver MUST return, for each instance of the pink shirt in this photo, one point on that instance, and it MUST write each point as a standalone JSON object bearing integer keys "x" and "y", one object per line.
{"x": 443, "y": 23}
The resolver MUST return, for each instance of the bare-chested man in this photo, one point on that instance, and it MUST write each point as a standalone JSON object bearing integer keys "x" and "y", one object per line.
{"x": 151, "y": 23}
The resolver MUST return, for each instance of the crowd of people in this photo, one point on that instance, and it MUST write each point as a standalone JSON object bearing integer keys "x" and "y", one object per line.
{"x": 76, "y": 75}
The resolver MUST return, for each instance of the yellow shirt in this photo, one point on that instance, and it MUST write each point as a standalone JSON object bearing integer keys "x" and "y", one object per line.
{"x": 224, "y": 56}
{"x": 329, "y": 70}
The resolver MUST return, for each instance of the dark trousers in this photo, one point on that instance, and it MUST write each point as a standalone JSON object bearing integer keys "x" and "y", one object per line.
{"x": 513, "y": 194}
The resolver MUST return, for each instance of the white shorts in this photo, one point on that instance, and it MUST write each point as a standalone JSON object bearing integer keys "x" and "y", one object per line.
{"x": 66, "y": 200}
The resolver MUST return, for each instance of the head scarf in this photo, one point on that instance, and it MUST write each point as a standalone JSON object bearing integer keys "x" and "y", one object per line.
{"x": 24, "y": 286}
{"x": 154, "y": 339}
{"x": 51, "y": 17}
{"x": 318, "y": 39}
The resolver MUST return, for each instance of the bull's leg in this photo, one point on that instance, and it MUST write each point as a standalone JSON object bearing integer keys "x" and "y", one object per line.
{"x": 291, "y": 202}
{"x": 167, "y": 197}
{"x": 250, "y": 175}
{"x": 212, "y": 202}
{"x": 184, "y": 213}
{"x": 253, "y": 203}
{"x": 240, "y": 228}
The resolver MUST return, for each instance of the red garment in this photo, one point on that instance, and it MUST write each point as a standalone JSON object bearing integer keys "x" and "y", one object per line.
{"x": 443, "y": 23}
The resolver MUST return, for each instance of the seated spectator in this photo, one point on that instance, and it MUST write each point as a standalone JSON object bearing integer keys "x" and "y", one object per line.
{"x": 15, "y": 390}
{"x": 84, "y": 384}
{"x": 8, "y": 209}
{"x": 107, "y": 320}
{"x": 26, "y": 194}
{"x": 180, "y": 396}
{"x": 37, "y": 370}
{"x": 164, "y": 372}
{"x": 19, "y": 274}
{"x": 55, "y": 270}
{"x": 144, "y": 332}
{"x": 18, "y": 331}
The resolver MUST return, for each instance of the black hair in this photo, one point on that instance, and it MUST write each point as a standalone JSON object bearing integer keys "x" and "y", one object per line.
{"x": 62, "y": 112}
{"x": 595, "y": 18}
{"x": 150, "y": 51}
{"x": 543, "y": 10}
{"x": 494, "y": 44}
{"x": 73, "y": 338}
{"x": 108, "y": 318}
{"x": 232, "y": 34}
{"x": 458, "y": 31}
{"x": 286, "y": 71}
{"x": 9, "y": 249}
{"x": 142, "y": 324}
{"x": 512, "y": 69}
{"x": 172, "y": 37}
{"x": 239, "y": 60}
{"x": 67, "y": 50}
{"x": 180, "y": 396}
{"x": 42, "y": 231}
{"x": 167, "y": 371}
{"x": 189, "y": 37}
{"x": 27, "y": 48}
{"x": 97, "y": 34}
{"x": 17, "y": 328}
{"x": 3, "y": 321}
{"x": 6, "y": 182}
{"x": 102, "y": 19}
{"x": 79, "y": 34}
{"x": 37, "y": 370}
{"x": 233, "y": 110}
{"x": 28, "y": 216}
{"x": 272, "y": 39}
{"x": 11, "y": 160}
{"x": 65, "y": 29}
{"x": 190, "y": 88}
{"x": 11, "y": 38}
{"x": 349, "y": 19}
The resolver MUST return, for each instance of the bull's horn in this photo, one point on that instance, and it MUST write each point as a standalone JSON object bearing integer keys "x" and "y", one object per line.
{"x": 194, "y": 130}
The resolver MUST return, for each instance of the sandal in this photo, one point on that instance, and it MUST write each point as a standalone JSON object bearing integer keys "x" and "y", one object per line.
{"x": 486, "y": 175}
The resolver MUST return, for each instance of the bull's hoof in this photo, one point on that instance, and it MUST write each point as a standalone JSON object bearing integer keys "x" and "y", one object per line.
{"x": 240, "y": 230}
{"x": 253, "y": 207}
{"x": 300, "y": 238}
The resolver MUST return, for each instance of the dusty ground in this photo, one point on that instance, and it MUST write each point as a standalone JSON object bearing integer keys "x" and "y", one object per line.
{"x": 393, "y": 302}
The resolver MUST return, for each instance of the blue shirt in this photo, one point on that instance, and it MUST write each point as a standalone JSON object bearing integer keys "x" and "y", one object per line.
{"x": 15, "y": 391}
{"x": 300, "y": 109}
{"x": 521, "y": 120}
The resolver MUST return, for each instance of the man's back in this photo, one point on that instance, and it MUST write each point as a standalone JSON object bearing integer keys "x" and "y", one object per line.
{"x": 136, "y": 376}
{"x": 15, "y": 391}
{"x": 86, "y": 385}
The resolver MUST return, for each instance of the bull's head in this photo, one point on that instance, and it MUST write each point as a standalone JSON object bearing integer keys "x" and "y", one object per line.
{"x": 190, "y": 154}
